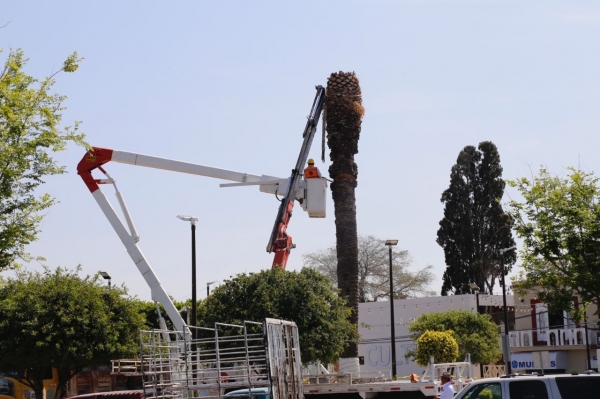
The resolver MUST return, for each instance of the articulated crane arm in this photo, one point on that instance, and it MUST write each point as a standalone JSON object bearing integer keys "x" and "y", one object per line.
{"x": 97, "y": 157}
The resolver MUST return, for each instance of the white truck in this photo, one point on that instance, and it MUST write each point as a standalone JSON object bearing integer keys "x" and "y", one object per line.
{"x": 259, "y": 359}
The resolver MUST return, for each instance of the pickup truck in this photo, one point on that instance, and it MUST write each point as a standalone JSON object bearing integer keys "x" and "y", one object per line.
{"x": 559, "y": 386}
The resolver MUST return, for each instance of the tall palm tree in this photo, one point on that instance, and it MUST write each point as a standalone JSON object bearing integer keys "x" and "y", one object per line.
{"x": 344, "y": 112}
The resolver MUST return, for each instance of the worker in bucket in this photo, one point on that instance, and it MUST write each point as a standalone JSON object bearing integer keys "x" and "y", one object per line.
{"x": 311, "y": 171}
{"x": 447, "y": 391}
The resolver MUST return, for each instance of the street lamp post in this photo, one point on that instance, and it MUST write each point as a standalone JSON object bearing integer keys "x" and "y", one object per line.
{"x": 506, "y": 339}
{"x": 475, "y": 287}
{"x": 106, "y": 277}
{"x": 208, "y": 287}
{"x": 192, "y": 220}
{"x": 587, "y": 342}
{"x": 391, "y": 243}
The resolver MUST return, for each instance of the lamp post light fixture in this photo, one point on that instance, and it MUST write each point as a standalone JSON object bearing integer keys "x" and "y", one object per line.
{"x": 505, "y": 340}
{"x": 106, "y": 277}
{"x": 390, "y": 244}
{"x": 208, "y": 288}
{"x": 192, "y": 220}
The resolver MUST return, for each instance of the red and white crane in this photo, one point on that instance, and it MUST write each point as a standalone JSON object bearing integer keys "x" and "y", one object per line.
{"x": 310, "y": 193}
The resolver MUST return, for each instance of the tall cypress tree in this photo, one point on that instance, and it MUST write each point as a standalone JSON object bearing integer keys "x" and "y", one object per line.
{"x": 475, "y": 227}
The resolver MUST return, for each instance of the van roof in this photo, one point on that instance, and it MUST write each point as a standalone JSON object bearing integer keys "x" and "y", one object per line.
{"x": 246, "y": 391}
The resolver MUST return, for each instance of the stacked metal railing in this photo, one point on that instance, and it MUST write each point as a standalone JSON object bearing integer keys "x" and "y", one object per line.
{"x": 164, "y": 368}
{"x": 206, "y": 362}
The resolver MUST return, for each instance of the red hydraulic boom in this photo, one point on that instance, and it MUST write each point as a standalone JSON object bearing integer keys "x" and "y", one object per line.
{"x": 280, "y": 242}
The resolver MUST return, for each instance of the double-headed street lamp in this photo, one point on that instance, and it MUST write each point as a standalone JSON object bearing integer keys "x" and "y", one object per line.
{"x": 391, "y": 243}
{"x": 192, "y": 220}
{"x": 505, "y": 338}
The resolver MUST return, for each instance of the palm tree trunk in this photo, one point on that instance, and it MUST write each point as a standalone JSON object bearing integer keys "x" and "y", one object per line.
{"x": 343, "y": 119}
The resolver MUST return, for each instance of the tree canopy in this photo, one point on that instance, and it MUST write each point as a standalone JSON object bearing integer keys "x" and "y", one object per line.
{"x": 474, "y": 333}
{"x": 475, "y": 227}
{"x": 439, "y": 344}
{"x": 56, "y": 318}
{"x": 559, "y": 222}
{"x": 373, "y": 270}
{"x": 148, "y": 309}
{"x": 306, "y": 298}
{"x": 30, "y": 117}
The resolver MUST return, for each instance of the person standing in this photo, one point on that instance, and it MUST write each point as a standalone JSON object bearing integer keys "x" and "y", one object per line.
{"x": 447, "y": 391}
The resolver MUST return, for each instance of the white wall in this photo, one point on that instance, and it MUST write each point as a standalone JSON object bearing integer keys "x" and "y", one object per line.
{"x": 374, "y": 327}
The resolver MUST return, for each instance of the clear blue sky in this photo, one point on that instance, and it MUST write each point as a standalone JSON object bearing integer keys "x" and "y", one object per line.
{"x": 228, "y": 84}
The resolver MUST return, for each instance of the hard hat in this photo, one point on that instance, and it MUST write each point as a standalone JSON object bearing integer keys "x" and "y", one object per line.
{"x": 311, "y": 161}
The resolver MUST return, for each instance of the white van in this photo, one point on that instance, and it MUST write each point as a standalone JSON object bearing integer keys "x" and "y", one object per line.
{"x": 559, "y": 386}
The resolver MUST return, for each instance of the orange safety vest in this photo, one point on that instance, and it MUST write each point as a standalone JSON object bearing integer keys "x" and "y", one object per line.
{"x": 311, "y": 172}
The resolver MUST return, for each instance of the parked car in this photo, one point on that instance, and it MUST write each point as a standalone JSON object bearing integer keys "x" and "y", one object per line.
{"x": 254, "y": 393}
{"x": 530, "y": 386}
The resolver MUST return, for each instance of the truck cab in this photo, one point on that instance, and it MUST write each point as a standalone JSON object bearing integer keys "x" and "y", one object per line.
{"x": 12, "y": 388}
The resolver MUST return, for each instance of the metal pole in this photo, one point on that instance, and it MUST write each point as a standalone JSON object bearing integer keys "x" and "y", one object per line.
{"x": 194, "y": 310}
{"x": 194, "y": 303}
{"x": 393, "y": 326}
{"x": 506, "y": 342}
{"x": 477, "y": 301}
{"x": 207, "y": 290}
{"x": 587, "y": 343}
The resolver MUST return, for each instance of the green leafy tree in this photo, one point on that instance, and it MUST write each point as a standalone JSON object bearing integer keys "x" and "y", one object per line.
{"x": 374, "y": 270}
{"x": 475, "y": 227}
{"x": 306, "y": 298}
{"x": 343, "y": 119}
{"x": 439, "y": 344}
{"x": 148, "y": 308}
{"x": 30, "y": 117}
{"x": 474, "y": 333}
{"x": 559, "y": 222}
{"x": 59, "y": 319}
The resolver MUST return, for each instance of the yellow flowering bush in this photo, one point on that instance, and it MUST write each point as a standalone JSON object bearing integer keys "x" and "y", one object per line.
{"x": 439, "y": 344}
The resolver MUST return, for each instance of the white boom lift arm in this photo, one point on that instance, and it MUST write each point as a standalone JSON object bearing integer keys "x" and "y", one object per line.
{"x": 97, "y": 157}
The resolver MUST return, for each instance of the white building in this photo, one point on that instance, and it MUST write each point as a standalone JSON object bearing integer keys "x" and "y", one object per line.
{"x": 552, "y": 342}
{"x": 374, "y": 349}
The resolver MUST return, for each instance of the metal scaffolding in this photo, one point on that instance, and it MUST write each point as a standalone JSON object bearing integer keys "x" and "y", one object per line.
{"x": 205, "y": 362}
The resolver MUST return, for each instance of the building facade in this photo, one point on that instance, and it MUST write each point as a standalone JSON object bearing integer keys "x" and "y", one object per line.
{"x": 552, "y": 341}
